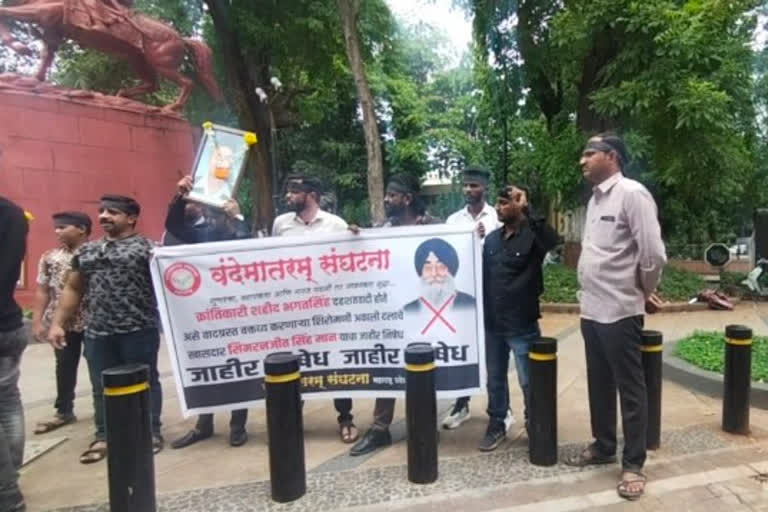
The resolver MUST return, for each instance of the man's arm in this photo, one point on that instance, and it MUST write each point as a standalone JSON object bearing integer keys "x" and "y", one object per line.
{"x": 42, "y": 298}
{"x": 644, "y": 226}
{"x": 69, "y": 301}
{"x": 547, "y": 238}
{"x": 176, "y": 224}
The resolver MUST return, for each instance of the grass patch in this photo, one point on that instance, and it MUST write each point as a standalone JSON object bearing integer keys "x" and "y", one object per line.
{"x": 705, "y": 350}
{"x": 679, "y": 285}
{"x": 561, "y": 284}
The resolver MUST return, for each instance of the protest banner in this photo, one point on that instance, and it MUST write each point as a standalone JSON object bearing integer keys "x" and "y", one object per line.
{"x": 346, "y": 304}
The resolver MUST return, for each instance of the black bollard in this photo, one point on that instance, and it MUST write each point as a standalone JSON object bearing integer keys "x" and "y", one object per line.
{"x": 421, "y": 413}
{"x": 542, "y": 427}
{"x": 737, "y": 379}
{"x": 285, "y": 427}
{"x": 130, "y": 462}
{"x": 652, "y": 348}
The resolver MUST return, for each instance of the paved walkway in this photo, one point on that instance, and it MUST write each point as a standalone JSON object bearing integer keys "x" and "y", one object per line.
{"x": 697, "y": 468}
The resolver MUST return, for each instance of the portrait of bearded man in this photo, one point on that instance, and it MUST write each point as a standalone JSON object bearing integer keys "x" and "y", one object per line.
{"x": 436, "y": 262}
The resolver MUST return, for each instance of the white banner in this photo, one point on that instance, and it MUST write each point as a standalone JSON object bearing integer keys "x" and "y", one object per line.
{"x": 346, "y": 304}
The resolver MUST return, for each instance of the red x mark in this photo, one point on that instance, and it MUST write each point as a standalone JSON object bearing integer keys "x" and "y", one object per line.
{"x": 438, "y": 313}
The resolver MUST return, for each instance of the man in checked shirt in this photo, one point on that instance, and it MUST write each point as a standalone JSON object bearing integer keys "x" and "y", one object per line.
{"x": 619, "y": 269}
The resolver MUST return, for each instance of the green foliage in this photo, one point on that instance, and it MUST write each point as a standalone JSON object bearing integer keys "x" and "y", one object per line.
{"x": 560, "y": 285}
{"x": 678, "y": 78}
{"x": 731, "y": 284}
{"x": 679, "y": 285}
{"x": 706, "y": 350}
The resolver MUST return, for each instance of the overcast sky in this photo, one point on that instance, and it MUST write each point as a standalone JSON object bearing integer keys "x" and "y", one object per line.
{"x": 438, "y": 13}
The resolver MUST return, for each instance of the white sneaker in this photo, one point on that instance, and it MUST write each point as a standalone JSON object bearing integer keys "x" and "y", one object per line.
{"x": 509, "y": 420}
{"x": 456, "y": 417}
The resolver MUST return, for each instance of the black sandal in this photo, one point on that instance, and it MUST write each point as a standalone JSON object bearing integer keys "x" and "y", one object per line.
{"x": 623, "y": 488}
{"x": 587, "y": 457}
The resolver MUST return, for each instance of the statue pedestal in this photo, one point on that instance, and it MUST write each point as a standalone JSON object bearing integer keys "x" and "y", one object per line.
{"x": 59, "y": 153}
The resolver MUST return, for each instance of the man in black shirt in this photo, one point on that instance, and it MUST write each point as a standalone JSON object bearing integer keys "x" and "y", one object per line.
{"x": 13, "y": 341}
{"x": 512, "y": 283}
{"x": 206, "y": 225}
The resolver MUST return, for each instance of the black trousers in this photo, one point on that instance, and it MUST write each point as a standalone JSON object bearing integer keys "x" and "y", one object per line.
{"x": 614, "y": 362}
{"x": 236, "y": 422}
{"x": 67, "y": 361}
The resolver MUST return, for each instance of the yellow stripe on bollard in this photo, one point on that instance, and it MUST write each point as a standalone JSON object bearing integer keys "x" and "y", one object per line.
{"x": 652, "y": 348}
{"x": 126, "y": 390}
{"x": 542, "y": 357}
{"x": 420, "y": 367}
{"x": 731, "y": 341}
{"x": 279, "y": 379}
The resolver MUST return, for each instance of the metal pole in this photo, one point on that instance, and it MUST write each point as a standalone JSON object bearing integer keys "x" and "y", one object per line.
{"x": 130, "y": 462}
{"x": 542, "y": 429}
{"x": 421, "y": 413}
{"x": 652, "y": 348}
{"x": 737, "y": 379}
{"x": 285, "y": 427}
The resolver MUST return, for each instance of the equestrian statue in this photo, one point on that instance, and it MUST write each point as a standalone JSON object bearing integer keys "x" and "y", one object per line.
{"x": 152, "y": 48}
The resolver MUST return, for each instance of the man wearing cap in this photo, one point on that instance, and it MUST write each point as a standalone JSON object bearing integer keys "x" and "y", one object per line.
{"x": 188, "y": 222}
{"x": 72, "y": 229}
{"x": 122, "y": 312}
{"x": 512, "y": 284}
{"x": 404, "y": 207}
{"x": 13, "y": 340}
{"x": 302, "y": 196}
{"x": 622, "y": 258}
{"x": 477, "y": 211}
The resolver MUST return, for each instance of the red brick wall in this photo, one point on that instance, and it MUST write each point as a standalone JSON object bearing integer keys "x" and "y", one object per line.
{"x": 61, "y": 155}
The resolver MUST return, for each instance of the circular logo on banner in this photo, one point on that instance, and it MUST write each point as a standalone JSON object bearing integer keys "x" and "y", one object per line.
{"x": 182, "y": 279}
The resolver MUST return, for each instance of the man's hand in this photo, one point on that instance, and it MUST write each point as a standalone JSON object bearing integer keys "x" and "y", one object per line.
{"x": 354, "y": 228}
{"x": 38, "y": 331}
{"x": 56, "y": 337}
{"x": 653, "y": 304}
{"x": 184, "y": 186}
{"x": 231, "y": 208}
{"x": 481, "y": 229}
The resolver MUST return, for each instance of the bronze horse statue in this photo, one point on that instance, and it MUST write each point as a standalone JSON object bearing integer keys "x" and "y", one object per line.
{"x": 152, "y": 48}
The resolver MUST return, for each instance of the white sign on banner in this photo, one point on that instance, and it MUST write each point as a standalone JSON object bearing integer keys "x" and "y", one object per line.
{"x": 347, "y": 305}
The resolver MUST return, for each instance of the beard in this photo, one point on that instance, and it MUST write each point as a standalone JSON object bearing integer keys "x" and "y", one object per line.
{"x": 437, "y": 293}
{"x": 297, "y": 206}
{"x": 392, "y": 210}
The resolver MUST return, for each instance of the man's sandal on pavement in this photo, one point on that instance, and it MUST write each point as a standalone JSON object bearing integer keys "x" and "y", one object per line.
{"x": 58, "y": 421}
{"x": 93, "y": 454}
{"x": 588, "y": 457}
{"x": 632, "y": 485}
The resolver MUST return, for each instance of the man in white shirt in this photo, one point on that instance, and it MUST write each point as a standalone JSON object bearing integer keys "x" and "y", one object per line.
{"x": 302, "y": 195}
{"x": 477, "y": 211}
{"x": 622, "y": 257}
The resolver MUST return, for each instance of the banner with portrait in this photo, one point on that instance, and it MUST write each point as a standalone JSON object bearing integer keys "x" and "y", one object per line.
{"x": 346, "y": 304}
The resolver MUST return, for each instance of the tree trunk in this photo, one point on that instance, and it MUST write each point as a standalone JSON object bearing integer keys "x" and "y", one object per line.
{"x": 350, "y": 10}
{"x": 242, "y": 75}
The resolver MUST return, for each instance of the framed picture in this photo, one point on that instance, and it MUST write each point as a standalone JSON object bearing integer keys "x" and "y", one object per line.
{"x": 219, "y": 164}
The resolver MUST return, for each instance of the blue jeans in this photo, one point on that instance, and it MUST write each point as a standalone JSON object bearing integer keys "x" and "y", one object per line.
{"x": 12, "y": 345}
{"x": 104, "y": 352}
{"x": 497, "y": 349}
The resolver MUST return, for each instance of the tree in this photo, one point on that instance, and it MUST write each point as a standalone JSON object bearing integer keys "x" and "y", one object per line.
{"x": 673, "y": 75}
{"x": 350, "y": 11}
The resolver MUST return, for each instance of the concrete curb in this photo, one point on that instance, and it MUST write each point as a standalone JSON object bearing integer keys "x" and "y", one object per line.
{"x": 704, "y": 381}
{"x": 675, "y": 307}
